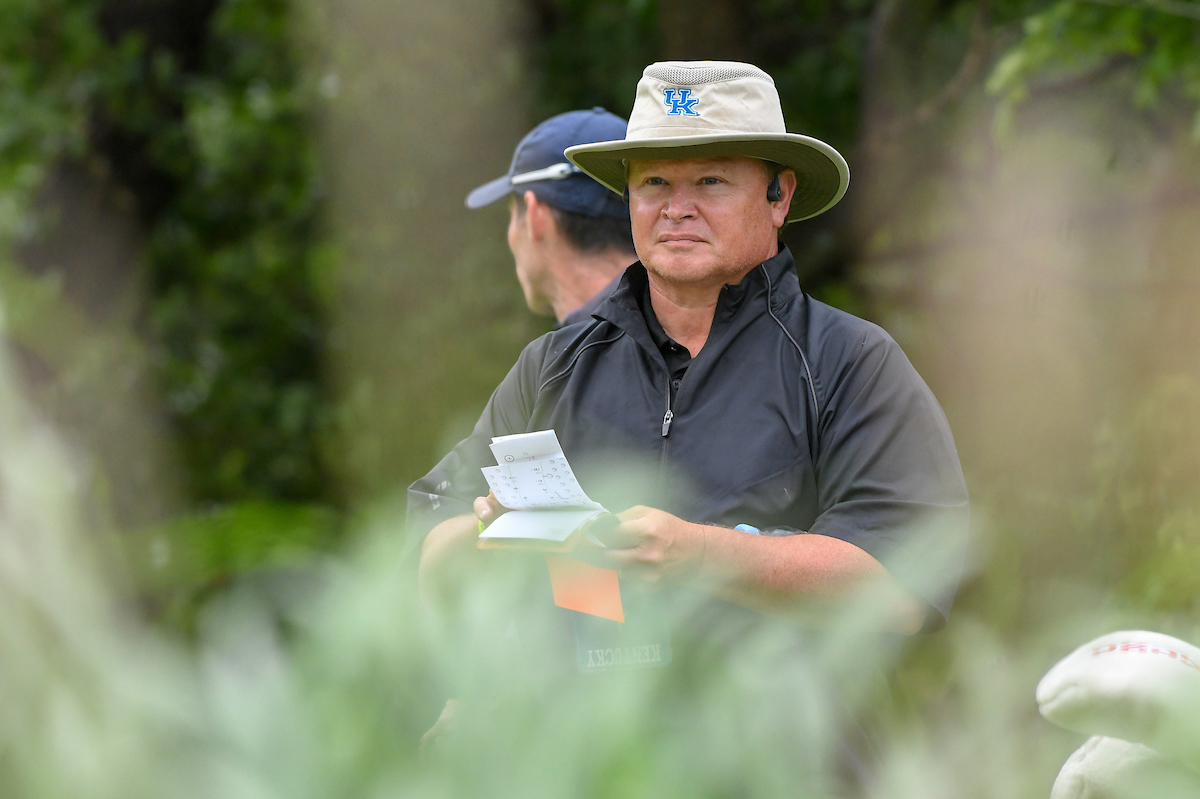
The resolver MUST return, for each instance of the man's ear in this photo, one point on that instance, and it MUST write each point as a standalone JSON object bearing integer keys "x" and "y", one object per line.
{"x": 787, "y": 188}
{"x": 537, "y": 216}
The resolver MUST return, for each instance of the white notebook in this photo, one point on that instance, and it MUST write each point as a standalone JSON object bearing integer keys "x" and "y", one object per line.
{"x": 535, "y": 482}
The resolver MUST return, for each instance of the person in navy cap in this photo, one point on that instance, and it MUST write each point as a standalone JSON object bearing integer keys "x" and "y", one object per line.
{"x": 569, "y": 235}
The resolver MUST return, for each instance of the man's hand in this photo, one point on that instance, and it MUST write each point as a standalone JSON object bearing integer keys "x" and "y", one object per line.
{"x": 449, "y": 551}
{"x": 798, "y": 574}
{"x": 652, "y": 545}
{"x": 488, "y": 509}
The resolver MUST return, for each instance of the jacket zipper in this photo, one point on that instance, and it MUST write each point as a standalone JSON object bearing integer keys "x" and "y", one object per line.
{"x": 666, "y": 426}
{"x": 666, "y": 431}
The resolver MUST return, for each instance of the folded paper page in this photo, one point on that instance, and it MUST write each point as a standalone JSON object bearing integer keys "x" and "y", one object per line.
{"x": 526, "y": 446}
{"x": 552, "y": 525}
{"x": 537, "y": 484}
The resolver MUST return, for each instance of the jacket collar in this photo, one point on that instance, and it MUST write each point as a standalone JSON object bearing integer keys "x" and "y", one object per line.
{"x": 776, "y": 276}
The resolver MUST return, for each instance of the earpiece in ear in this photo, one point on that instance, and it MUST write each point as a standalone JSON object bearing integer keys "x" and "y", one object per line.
{"x": 625, "y": 194}
{"x": 774, "y": 191}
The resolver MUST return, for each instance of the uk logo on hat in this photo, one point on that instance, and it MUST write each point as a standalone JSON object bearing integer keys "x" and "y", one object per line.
{"x": 680, "y": 102}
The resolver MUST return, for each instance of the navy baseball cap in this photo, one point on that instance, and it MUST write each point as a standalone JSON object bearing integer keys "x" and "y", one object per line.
{"x": 540, "y": 166}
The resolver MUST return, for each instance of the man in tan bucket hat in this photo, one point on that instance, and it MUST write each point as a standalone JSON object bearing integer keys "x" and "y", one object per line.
{"x": 765, "y": 449}
{"x": 715, "y": 109}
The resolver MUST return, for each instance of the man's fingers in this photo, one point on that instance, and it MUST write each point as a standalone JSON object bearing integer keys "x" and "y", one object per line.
{"x": 488, "y": 508}
{"x": 615, "y": 534}
{"x": 483, "y": 509}
{"x": 636, "y": 512}
{"x": 624, "y": 544}
{"x": 606, "y": 558}
{"x": 627, "y": 561}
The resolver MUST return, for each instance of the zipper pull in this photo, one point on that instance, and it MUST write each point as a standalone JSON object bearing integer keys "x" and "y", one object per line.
{"x": 667, "y": 423}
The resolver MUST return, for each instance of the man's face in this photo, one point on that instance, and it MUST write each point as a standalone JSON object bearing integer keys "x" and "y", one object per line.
{"x": 531, "y": 268}
{"x": 703, "y": 221}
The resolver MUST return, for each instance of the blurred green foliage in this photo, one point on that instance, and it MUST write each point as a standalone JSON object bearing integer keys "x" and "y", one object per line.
{"x": 1148, "y": 508}
{"x": 218, "y": 158}
{"x": 1154, "y": 47}
{"x": 589, "y": 53}
{"x": 52, "y": 60}
{"x": 222, "y": 164}
{"x": 1132, "y": 526}
{"x": 180, "y": 565}
{"x": 234, "y": 252}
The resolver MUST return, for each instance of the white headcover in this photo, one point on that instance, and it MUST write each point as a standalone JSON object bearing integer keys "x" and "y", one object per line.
{"x": 1109, "y": 768}
{"x": 1139, "y": 686}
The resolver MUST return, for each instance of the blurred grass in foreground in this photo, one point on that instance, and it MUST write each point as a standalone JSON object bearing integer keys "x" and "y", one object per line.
{"x": 97, "y": 704}
{"x": 326, "y": 692}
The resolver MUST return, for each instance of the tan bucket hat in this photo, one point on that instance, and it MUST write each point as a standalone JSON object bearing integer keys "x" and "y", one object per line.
{"x": 709, "y": 109}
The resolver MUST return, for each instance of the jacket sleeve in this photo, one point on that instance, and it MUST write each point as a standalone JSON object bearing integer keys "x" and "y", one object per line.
{"x": 888, "y": 474}
{"x": 451, "y": 487}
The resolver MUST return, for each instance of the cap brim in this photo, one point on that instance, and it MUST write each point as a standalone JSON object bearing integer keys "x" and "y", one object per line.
{"x": 821, "y": 173}
{"x": 488, "y": 193}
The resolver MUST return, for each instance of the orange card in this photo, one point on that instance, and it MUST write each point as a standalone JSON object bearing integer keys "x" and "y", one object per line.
{"x": 586, "y": 588}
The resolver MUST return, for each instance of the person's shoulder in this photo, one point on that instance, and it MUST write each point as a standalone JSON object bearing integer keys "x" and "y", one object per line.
{"x": 845, "y": 351}
{"x": 841, "y": 336}
{"x": 557, "y": 349}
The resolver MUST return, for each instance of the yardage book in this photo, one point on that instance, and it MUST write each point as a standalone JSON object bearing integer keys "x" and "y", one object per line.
{"x": 551, "y": 513}
{"x": 548, "y": 509}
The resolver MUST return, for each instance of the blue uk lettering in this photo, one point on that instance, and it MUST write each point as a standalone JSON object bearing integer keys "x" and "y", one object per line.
{"x": 680, "y": 102}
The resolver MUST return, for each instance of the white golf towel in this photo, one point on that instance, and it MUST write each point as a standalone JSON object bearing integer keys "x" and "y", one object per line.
{"x": 1141, "y": 687}
{"x": 1109, "y": 768}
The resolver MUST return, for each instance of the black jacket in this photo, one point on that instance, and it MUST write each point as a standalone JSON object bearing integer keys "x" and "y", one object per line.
{"x": 793, "y": 417}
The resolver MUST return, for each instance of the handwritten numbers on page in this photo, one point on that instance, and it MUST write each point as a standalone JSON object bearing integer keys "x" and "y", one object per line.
{"x": 540, "y": 483}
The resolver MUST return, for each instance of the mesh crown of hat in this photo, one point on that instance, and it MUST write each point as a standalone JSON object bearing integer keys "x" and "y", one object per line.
{"x": 701, "y": 72}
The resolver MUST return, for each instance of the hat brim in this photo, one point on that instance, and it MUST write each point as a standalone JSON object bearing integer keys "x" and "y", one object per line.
{"x": 822, "y": 175}
{"x": 489, "y": 192}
